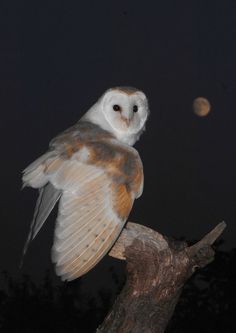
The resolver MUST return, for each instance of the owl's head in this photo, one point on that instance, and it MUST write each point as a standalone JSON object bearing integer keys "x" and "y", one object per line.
{"x": 122, "y": 111}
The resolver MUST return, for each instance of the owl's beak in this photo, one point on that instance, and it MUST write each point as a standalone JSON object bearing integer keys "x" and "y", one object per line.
{"x": 126, "y": 117}
{"x": 126, "y": 120}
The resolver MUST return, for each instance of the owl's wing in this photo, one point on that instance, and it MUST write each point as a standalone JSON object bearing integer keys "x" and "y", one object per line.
{"x": 88, "y": 224}
{"x": 93, "y": 209}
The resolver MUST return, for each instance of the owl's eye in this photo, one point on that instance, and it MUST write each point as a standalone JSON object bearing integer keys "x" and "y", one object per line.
{"x": 116, "y": 107}
{"x": 135, "y": 108}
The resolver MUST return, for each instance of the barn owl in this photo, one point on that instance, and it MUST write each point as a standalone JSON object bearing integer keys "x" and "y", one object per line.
{"x": 95, "y": 174}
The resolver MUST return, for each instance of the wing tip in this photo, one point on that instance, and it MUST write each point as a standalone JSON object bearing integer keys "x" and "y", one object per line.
{"x": 67, "y": 276}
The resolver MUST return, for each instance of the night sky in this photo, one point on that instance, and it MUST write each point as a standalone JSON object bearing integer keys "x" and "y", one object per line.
{"x": 56, "y": 59}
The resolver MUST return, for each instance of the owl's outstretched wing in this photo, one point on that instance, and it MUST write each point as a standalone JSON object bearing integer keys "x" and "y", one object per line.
{"x": 93, "y": 208}
{"x": 88, "y": 223}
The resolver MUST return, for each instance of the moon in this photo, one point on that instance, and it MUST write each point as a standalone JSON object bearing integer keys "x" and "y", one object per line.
{"x": 201, "y": 106}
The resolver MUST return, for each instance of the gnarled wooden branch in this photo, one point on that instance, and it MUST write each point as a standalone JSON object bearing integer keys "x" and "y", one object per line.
{"x": 157, "y": 270}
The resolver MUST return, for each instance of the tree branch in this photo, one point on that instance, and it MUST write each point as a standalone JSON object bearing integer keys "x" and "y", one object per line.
{"x": 157, "y": 269}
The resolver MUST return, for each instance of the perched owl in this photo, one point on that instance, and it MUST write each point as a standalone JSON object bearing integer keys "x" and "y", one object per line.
{"x": 95, "y": 174}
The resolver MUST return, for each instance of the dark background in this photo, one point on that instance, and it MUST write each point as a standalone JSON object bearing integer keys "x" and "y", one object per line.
{"x": 58, "y": 57}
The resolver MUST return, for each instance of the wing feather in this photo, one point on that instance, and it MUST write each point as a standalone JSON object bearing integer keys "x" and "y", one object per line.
{"x": 71, "y": 232}
{"x": 73, "y": 175}
{"x": 80, "y": 244}
{"x": 83, "y": 265}
{"x": 91, "y": 254}
{"x": 48, "y": 197}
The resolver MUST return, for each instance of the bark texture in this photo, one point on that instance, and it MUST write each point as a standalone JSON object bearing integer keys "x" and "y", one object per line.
{"x": 157, "y": 269}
